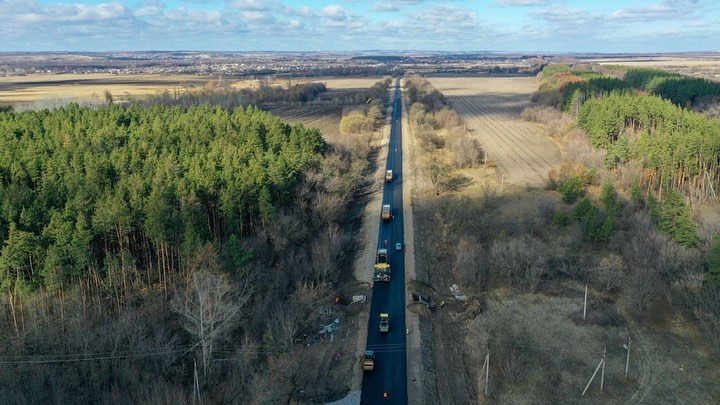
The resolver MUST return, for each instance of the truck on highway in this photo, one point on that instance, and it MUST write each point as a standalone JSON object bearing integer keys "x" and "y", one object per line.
{"x": 386, "y": 213}
{"x": 389, "y": 176}
{"x": 382, "y": 267}
{"x": 384, "y": 323}
{"x": 368, "y": 363}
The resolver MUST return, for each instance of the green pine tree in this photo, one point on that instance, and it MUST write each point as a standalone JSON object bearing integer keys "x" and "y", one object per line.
{"x": 676, "y": 220}
{"x": 713, "y": 259}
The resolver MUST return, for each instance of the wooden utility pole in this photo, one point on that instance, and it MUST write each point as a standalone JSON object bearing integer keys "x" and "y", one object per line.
{"x": 627, "y": 362}
{"x": 585, "y": 303}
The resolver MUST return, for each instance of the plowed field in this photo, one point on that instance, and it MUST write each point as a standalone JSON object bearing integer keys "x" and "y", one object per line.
{"x": 324, "y": 118}
{"x": 491, "y": 107}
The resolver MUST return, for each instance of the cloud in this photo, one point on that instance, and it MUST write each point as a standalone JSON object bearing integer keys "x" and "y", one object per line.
{"x": 256, "y": 16}
{"x": 385, "y": 7}
{"x": 695, "y": 24}
{"x": 667, "y": 10}
{"x": 507, "y": 3}
{"x": 72, "y": 13}
{"x": 251, "y": 5}
{"x": 562, "y": 14}
{"x": 182, "y": 14}
{"x": 447, "y": 14}
{"x": 650, "y": 12}
{"x": 333, "y": 11}
{"x": 147, "y": 11}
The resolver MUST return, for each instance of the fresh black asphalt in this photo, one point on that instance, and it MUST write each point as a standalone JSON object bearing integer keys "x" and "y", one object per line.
{"x": 390, "y": 371}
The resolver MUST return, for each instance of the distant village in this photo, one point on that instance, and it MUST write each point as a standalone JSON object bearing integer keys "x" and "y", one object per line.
{"x": 250, "y": 64}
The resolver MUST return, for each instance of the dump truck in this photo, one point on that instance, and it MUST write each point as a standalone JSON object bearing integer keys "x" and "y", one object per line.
{"x": 382, "y": 267}
{"x": 386, "y": 212}
{"x": 389, "y": 176}
{"x": 368, "y": 363}
{"x": 384, "y": 323}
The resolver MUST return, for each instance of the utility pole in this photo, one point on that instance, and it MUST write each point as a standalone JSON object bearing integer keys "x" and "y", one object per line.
{"x": 585, "y": 304}
{"x": 196, "y": 385}
{"x": 502, "y": 183}
{"x": 486, "y": 371}
{"x": 602, "y": 375}
{"x": 602, "y": 363}
{"x": 627, "y": 362}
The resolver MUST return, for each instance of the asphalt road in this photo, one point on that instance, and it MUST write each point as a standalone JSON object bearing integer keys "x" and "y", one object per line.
{"x": 390, "y": 374}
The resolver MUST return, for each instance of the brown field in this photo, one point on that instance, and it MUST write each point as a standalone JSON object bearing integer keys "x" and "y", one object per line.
{"x": 35, "y": 87}
{"x": 92, "y": 87}
{"x": 658, "y": 62}
{"x": 333, "y": 83}
{"x": 324, "y": 118}
{"x": 491, "y": 107}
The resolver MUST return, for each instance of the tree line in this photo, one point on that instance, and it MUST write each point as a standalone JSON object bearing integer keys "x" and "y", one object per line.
{"x": 363, "y": 119}
{"x": 678, "y": 149}
{"x": 572, "y": 87}
{"x": 442, "y": 135}
{"x": 136, "y": 238}
{"x": 89, "y": 190}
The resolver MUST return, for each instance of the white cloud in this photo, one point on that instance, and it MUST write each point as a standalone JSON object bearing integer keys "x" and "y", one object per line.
{"x": 147, "y": 11}
{"x": 562, "y": 14}
{"x": 667, "y": 10}
{"x": 333, "y": 11}
{"x": 506, "y": 3}
{"x": 61, "y": 13}
{"x": 251, "y": 5}
{"x": 650, "y": 12}
{"x": 385, "y": 7}
{"x": 446, "y": 14}
{"x": 182, "y": 14}
{"x": 256, "y": 16}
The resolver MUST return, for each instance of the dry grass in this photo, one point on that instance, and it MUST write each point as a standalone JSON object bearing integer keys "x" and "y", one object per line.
{"x": 668, "y": 365}
{"x": 90, "y": 87}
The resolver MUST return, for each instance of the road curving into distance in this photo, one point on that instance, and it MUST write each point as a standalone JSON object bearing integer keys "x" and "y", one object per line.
{"x": 390, "y": 374}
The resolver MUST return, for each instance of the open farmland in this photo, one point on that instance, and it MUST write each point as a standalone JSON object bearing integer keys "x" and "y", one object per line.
{"x": 491, "y": 107}
{"x": 89, "y": 87}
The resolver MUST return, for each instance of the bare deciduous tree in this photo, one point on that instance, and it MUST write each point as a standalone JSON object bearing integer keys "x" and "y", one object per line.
{"x": 284, "y": 325}
{"x": 523, "y": 259}
{"x": 644, "y": 288}
{"x": 327, "y": 252}
{"x": 470, "y": 262}
{"x": 609, "y": 273}
{"x": 209, "y": 304}
{"x": 438, "y": 171}
{"x": 467, "y": 151}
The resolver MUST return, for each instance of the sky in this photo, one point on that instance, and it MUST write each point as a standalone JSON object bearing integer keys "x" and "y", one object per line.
{"x": 357, "y": 25}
